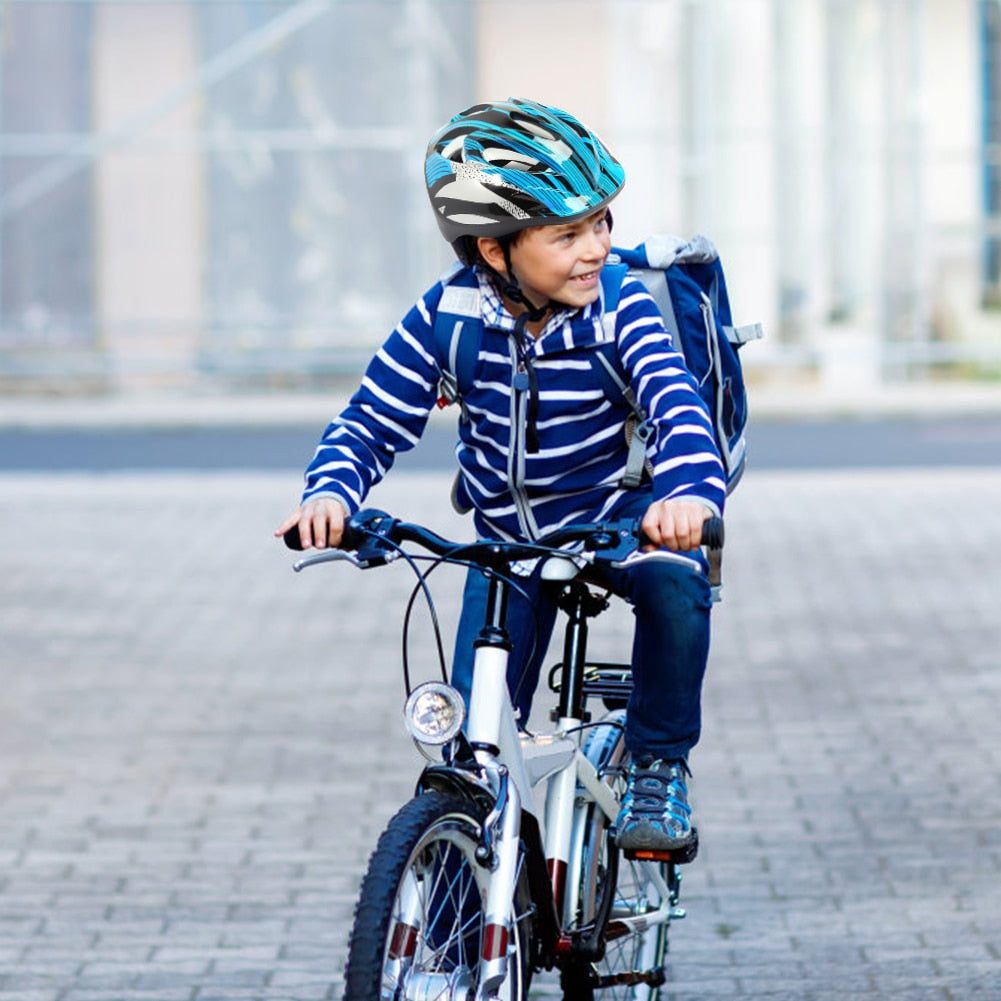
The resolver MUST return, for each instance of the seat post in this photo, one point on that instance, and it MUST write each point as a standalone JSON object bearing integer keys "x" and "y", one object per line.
{"x": 574, "y": 602}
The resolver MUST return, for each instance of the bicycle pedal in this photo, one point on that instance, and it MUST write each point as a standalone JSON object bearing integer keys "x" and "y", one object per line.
{"x": 633, "y": 978}
{"x": 679, "y": 856}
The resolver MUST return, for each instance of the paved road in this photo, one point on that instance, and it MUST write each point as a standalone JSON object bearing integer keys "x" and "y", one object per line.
{"x": 198, "y": 748}
{"x": 812, "y": 444}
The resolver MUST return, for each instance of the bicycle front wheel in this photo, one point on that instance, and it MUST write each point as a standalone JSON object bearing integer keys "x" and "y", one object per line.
{"x": 632, "y": 950}
{"x": 419, "y": 920}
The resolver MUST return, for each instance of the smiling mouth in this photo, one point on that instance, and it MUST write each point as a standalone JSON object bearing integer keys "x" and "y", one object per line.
{"x": 590, "y": 276}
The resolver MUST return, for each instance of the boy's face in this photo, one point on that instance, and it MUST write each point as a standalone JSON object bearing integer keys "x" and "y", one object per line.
{"x": 561, "y": 262}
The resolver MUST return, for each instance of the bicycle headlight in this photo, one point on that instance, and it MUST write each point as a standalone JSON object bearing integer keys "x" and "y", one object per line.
{"x": 434, "y": 713}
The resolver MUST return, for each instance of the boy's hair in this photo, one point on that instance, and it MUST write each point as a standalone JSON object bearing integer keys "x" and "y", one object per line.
{"x": 468, "y": 251}
{"x": 467, "y": 247}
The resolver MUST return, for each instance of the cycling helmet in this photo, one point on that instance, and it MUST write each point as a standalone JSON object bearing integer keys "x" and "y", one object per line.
{"x": 498, "y": 168}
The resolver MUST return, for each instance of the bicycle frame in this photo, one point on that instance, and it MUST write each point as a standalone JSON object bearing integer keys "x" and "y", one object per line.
{"x": 541, "y": 776}
{"x": 552, "y": 791}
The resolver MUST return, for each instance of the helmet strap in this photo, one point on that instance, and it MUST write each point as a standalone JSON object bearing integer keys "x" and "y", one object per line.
{"x": 508, "y": 285}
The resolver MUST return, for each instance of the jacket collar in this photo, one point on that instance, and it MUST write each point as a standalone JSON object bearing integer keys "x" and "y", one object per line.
{"x": 575, "y": 325}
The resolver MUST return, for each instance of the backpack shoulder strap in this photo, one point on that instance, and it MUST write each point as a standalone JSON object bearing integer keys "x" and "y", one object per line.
{"x": 605, "y": 358}
{"x": 458, "y": 331}
{"x": 613, "y": 274}
{"x": 607, "y": 366}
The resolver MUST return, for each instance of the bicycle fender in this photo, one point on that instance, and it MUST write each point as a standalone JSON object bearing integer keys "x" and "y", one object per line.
{"x": 443, "y": 778}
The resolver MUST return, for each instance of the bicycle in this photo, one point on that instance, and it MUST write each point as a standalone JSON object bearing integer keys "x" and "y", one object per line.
{"x": 505, "y": 863}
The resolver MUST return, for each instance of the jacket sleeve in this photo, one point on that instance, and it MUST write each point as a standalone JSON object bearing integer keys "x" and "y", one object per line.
{"x": 387, "y": 414}
{"x": 686, "y": 460}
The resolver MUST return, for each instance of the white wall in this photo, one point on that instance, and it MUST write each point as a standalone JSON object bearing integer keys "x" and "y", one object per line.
{"x": 149, "y": 194}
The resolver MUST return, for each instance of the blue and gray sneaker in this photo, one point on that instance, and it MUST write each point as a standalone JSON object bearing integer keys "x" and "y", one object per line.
{"x": 655, "y": 815}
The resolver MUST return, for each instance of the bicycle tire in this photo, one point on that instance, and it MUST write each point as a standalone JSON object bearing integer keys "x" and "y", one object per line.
{"x": 630, "y": 964}
{"x": 417, "y": 926}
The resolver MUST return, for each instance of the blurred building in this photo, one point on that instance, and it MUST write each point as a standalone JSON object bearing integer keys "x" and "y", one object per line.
{"x": 230, "y": 191}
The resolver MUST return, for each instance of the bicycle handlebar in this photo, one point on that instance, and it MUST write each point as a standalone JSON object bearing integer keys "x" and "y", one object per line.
{"x": 374, "y": 536}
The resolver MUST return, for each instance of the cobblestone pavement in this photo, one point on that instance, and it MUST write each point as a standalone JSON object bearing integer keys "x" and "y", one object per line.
{"x": 198, "y": 748}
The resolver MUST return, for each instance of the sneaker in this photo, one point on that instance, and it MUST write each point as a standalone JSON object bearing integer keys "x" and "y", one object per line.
{"x": 655, "y": 815}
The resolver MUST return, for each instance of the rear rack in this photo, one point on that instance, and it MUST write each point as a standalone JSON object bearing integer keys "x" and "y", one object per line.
{"x": 612, "y": 683}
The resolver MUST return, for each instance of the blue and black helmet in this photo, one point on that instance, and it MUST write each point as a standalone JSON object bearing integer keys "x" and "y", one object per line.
{"x": 498, "y": 168}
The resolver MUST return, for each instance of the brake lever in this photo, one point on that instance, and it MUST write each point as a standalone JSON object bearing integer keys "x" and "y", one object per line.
{"x": 629, "y": 547}
{"x": 663, "y": 555}
{"x": 363, "y": 559}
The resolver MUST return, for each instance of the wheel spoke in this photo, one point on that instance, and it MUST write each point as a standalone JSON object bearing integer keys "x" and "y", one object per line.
{"x": 631, "y": 968}
{"x": 429, "y": 942}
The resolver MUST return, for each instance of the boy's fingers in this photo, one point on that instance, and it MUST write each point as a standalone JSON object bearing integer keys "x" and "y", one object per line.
{"x": 684, "y": 532}
{"x": 653, "y": 527}
{"x": 327, "y": 525}
{"x": 320, "y": 524}
{"x": 316, "y": 529}
{"x": 305, "y": 534}
{"x": 674, "y": 526}
{"x": 297, "y": 521}
{"x": 335, "y": 529}
{"x": 290, "y": 522}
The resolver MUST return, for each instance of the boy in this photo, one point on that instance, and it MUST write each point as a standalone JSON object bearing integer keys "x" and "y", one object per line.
{"x": 521, "y": 191}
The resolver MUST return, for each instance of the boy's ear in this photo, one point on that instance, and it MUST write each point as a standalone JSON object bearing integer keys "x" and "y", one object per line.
{"x": 492, "y": 253}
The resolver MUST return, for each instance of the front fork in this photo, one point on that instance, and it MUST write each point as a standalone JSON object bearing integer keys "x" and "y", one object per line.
{"x": 499, "y": 851}
{"x": 490, "y": 728}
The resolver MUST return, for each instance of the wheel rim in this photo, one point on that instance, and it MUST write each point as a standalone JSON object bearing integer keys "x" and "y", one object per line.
{"x": 640, "y": 886}
{"x": 434, "y": 932}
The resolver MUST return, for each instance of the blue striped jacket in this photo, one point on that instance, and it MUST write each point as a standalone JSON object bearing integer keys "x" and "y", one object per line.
{"x": 581, "y": 455}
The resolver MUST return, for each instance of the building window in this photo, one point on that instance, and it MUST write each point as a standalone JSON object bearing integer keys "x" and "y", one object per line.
{"x": 47, "y": 285}
{"x": 990, "y": 20}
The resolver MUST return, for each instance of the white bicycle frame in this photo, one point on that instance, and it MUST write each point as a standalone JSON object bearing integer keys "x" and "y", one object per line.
{"x": 543, "y": 774}
{"x": 550, "y": 776}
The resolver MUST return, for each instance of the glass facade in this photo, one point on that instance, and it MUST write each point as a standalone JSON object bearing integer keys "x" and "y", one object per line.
{"x": 233, "y": 188}
{"x": 990, "y": 22}
{"x": 47, "y": 295}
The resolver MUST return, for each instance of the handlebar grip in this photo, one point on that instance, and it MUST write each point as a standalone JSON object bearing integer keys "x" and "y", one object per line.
{"x": 712, "y": 533}
{"x": 291, "y": 539}
{"x": 352, "y": 537}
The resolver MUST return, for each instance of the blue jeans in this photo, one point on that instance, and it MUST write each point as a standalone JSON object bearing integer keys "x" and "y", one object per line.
{"x": 671, "y": 605}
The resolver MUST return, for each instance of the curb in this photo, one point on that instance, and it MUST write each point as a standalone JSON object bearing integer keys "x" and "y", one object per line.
{"x": 767, "y": 403}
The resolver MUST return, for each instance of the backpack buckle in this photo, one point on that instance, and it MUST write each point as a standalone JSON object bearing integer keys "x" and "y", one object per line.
{"x": 638, "y": 434}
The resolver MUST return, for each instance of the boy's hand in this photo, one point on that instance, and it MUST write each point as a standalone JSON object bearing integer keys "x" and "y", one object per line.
{"x": 320, "y": 521}
{"x": 675, "y": 525}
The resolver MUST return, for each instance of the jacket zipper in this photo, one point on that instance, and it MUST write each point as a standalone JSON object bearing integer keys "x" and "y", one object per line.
{"x": 516, "y": 458}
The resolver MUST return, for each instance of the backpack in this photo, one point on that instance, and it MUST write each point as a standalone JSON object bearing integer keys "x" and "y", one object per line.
{"x": 686, "y": 281}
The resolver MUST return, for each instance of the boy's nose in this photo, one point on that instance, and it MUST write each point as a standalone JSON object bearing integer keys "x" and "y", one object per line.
{"x": 598, "y": 245}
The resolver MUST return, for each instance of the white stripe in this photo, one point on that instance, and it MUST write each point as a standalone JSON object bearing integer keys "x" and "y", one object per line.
{"x": 416, "y": 346}
{"x": 395, "y": 402}
{"x": 422, "y": 308}
{"x": 678, "y": 462}
{"x": 400, "y": 369}
{"x": 380, "y": 417}
{"x": 696, "y": 429}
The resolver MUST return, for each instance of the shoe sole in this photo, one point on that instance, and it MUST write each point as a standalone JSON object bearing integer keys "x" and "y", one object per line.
{"x": 680, "y": 852}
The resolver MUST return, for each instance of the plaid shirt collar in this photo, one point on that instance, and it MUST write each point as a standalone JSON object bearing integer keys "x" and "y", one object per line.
{"x": 496, "y": 314}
